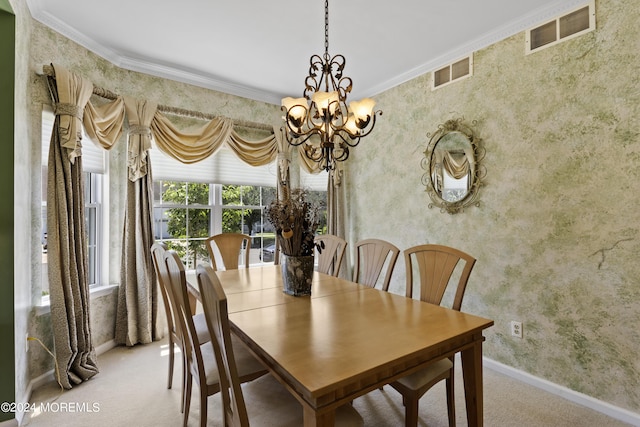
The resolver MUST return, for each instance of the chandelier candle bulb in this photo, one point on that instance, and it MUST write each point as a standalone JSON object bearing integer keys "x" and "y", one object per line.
{"x": 362, "y": 111}
{"x": 326, "y": 101}
{"x": 296, "y": 110}
{"x": 350, "y": 126}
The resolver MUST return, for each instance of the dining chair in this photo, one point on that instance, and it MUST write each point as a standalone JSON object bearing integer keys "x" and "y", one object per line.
{"x": 371, "y": 257}
{"x": 435, "y": 267}
{"x": 227, "y": 248}
{"x": 330, "y": 253}
{"x": 264, "y": 399}
{"x": 200, "y": 361}
{"x": 158, "y": 250}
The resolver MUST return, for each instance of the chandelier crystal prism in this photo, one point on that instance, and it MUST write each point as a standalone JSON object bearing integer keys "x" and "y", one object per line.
{"x": 321, "y": 119}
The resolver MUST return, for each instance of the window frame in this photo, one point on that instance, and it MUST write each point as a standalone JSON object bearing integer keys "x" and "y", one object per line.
{"x": 216, "y": 208}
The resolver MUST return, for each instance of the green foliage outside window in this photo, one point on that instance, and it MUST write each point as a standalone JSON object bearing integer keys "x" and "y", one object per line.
{"x": 191, "y": 224}
{"x": 183, "y": 216}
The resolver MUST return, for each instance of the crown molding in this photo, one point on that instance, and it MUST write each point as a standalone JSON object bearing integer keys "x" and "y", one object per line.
{"x": 171, "y": 72}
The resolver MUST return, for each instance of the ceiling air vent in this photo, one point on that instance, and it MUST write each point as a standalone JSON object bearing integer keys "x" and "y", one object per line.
{"x": 452, "y": 72}
{"x": 573, "y": 24}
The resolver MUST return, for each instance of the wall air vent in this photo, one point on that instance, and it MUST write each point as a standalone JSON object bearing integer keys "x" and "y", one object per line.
{"x": 572, "y": 24}
{"x": 452, "y": 72}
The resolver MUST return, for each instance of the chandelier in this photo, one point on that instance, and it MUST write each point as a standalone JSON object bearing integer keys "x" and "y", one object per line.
{"x": 322, "y": 111}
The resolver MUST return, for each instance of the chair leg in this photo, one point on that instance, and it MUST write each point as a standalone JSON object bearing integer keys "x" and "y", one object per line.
{"x": 187, "y": 399}
{"x": 203, "y": 405}
{"x": 184, "y": 383}
{"x": 451, "y": 409}
{"x": 171, "y": 361}
{"x": 411, "y": 411}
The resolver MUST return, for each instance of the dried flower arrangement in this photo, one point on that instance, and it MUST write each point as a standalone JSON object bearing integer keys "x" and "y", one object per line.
{"x": 295, "y": 220}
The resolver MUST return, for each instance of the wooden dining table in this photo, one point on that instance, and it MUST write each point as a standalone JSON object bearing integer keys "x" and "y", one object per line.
{"x": 346, "y": 339}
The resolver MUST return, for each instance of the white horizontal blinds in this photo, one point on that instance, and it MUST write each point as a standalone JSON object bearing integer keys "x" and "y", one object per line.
{"x": 93, "y": 156}
{"x": 223, "y": 167}
{"x": 314, "y": 181}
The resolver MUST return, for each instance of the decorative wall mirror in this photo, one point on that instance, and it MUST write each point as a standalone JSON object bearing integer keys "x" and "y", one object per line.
{"x": 453, "y": 166}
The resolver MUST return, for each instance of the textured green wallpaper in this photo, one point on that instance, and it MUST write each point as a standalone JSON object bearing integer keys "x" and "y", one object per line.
{"x": 556, "y": 235}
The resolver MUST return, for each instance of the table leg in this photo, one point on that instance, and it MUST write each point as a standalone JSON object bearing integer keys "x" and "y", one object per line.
{"x": 472, "y": 374}
{"x": 313, "y": 419}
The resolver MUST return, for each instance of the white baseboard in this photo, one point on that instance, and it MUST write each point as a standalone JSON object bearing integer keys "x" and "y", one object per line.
{"x": 103, "y": 348}
{"x": 566, "y": 393}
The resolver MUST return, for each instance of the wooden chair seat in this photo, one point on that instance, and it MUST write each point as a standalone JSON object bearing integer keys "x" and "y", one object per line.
{"x": 425, "y": 376}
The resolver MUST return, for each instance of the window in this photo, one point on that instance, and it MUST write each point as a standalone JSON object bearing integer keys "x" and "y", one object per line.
{"x": 94, "y": 167}
{"x": 573, "y": 24}
{"x": 93, "y": 218}
{"x": 187, "y": 213}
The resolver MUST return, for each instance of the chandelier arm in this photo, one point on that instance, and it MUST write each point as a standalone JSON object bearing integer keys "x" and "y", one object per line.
{"x": 349, "y": 139}
{"x": 297, "y": 139}
{"x": 342, "y": 157}
{"x": 314, "y": 153}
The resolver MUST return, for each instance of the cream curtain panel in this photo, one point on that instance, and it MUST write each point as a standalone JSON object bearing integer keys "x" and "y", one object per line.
{"x": 137, "y": 310}
{"x": 66, "y": 234}
{"x": 336, "y": 199}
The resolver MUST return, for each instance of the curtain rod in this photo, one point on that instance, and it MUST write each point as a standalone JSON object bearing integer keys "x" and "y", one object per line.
{"x": 107, "y": 94}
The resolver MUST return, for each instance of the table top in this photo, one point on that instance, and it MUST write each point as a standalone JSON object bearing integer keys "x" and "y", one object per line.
{"x": 344, "y": 334}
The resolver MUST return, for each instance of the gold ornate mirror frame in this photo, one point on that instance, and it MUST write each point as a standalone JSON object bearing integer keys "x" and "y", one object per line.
{"x": 453, "y": 148}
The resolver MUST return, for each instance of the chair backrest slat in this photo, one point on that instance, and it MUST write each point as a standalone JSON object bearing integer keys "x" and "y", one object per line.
{"x": 227, "y": 248}
{"x": 330, "y": 256}
{"x": 436, "y": 265}
{"x": 370, "y": 258}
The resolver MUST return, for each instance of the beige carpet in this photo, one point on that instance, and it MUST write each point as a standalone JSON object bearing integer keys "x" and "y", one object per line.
{"x": 131, "y": 390}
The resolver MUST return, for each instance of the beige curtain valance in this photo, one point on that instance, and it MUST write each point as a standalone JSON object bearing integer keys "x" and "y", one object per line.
{"x": 191, "y": 147}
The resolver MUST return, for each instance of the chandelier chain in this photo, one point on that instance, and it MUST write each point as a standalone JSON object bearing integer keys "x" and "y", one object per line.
{"x": 326, "y": 28}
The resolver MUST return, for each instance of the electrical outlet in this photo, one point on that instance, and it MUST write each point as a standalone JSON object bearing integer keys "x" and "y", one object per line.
{"x": 516, "y": 328}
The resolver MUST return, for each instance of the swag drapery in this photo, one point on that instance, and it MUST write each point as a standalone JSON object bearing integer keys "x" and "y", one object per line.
{"x": 456, "y": 164}
{"x": 104, "y": 123}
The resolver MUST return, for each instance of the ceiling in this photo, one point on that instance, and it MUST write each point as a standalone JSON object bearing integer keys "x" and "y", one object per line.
{"x": 260, "y": 49}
